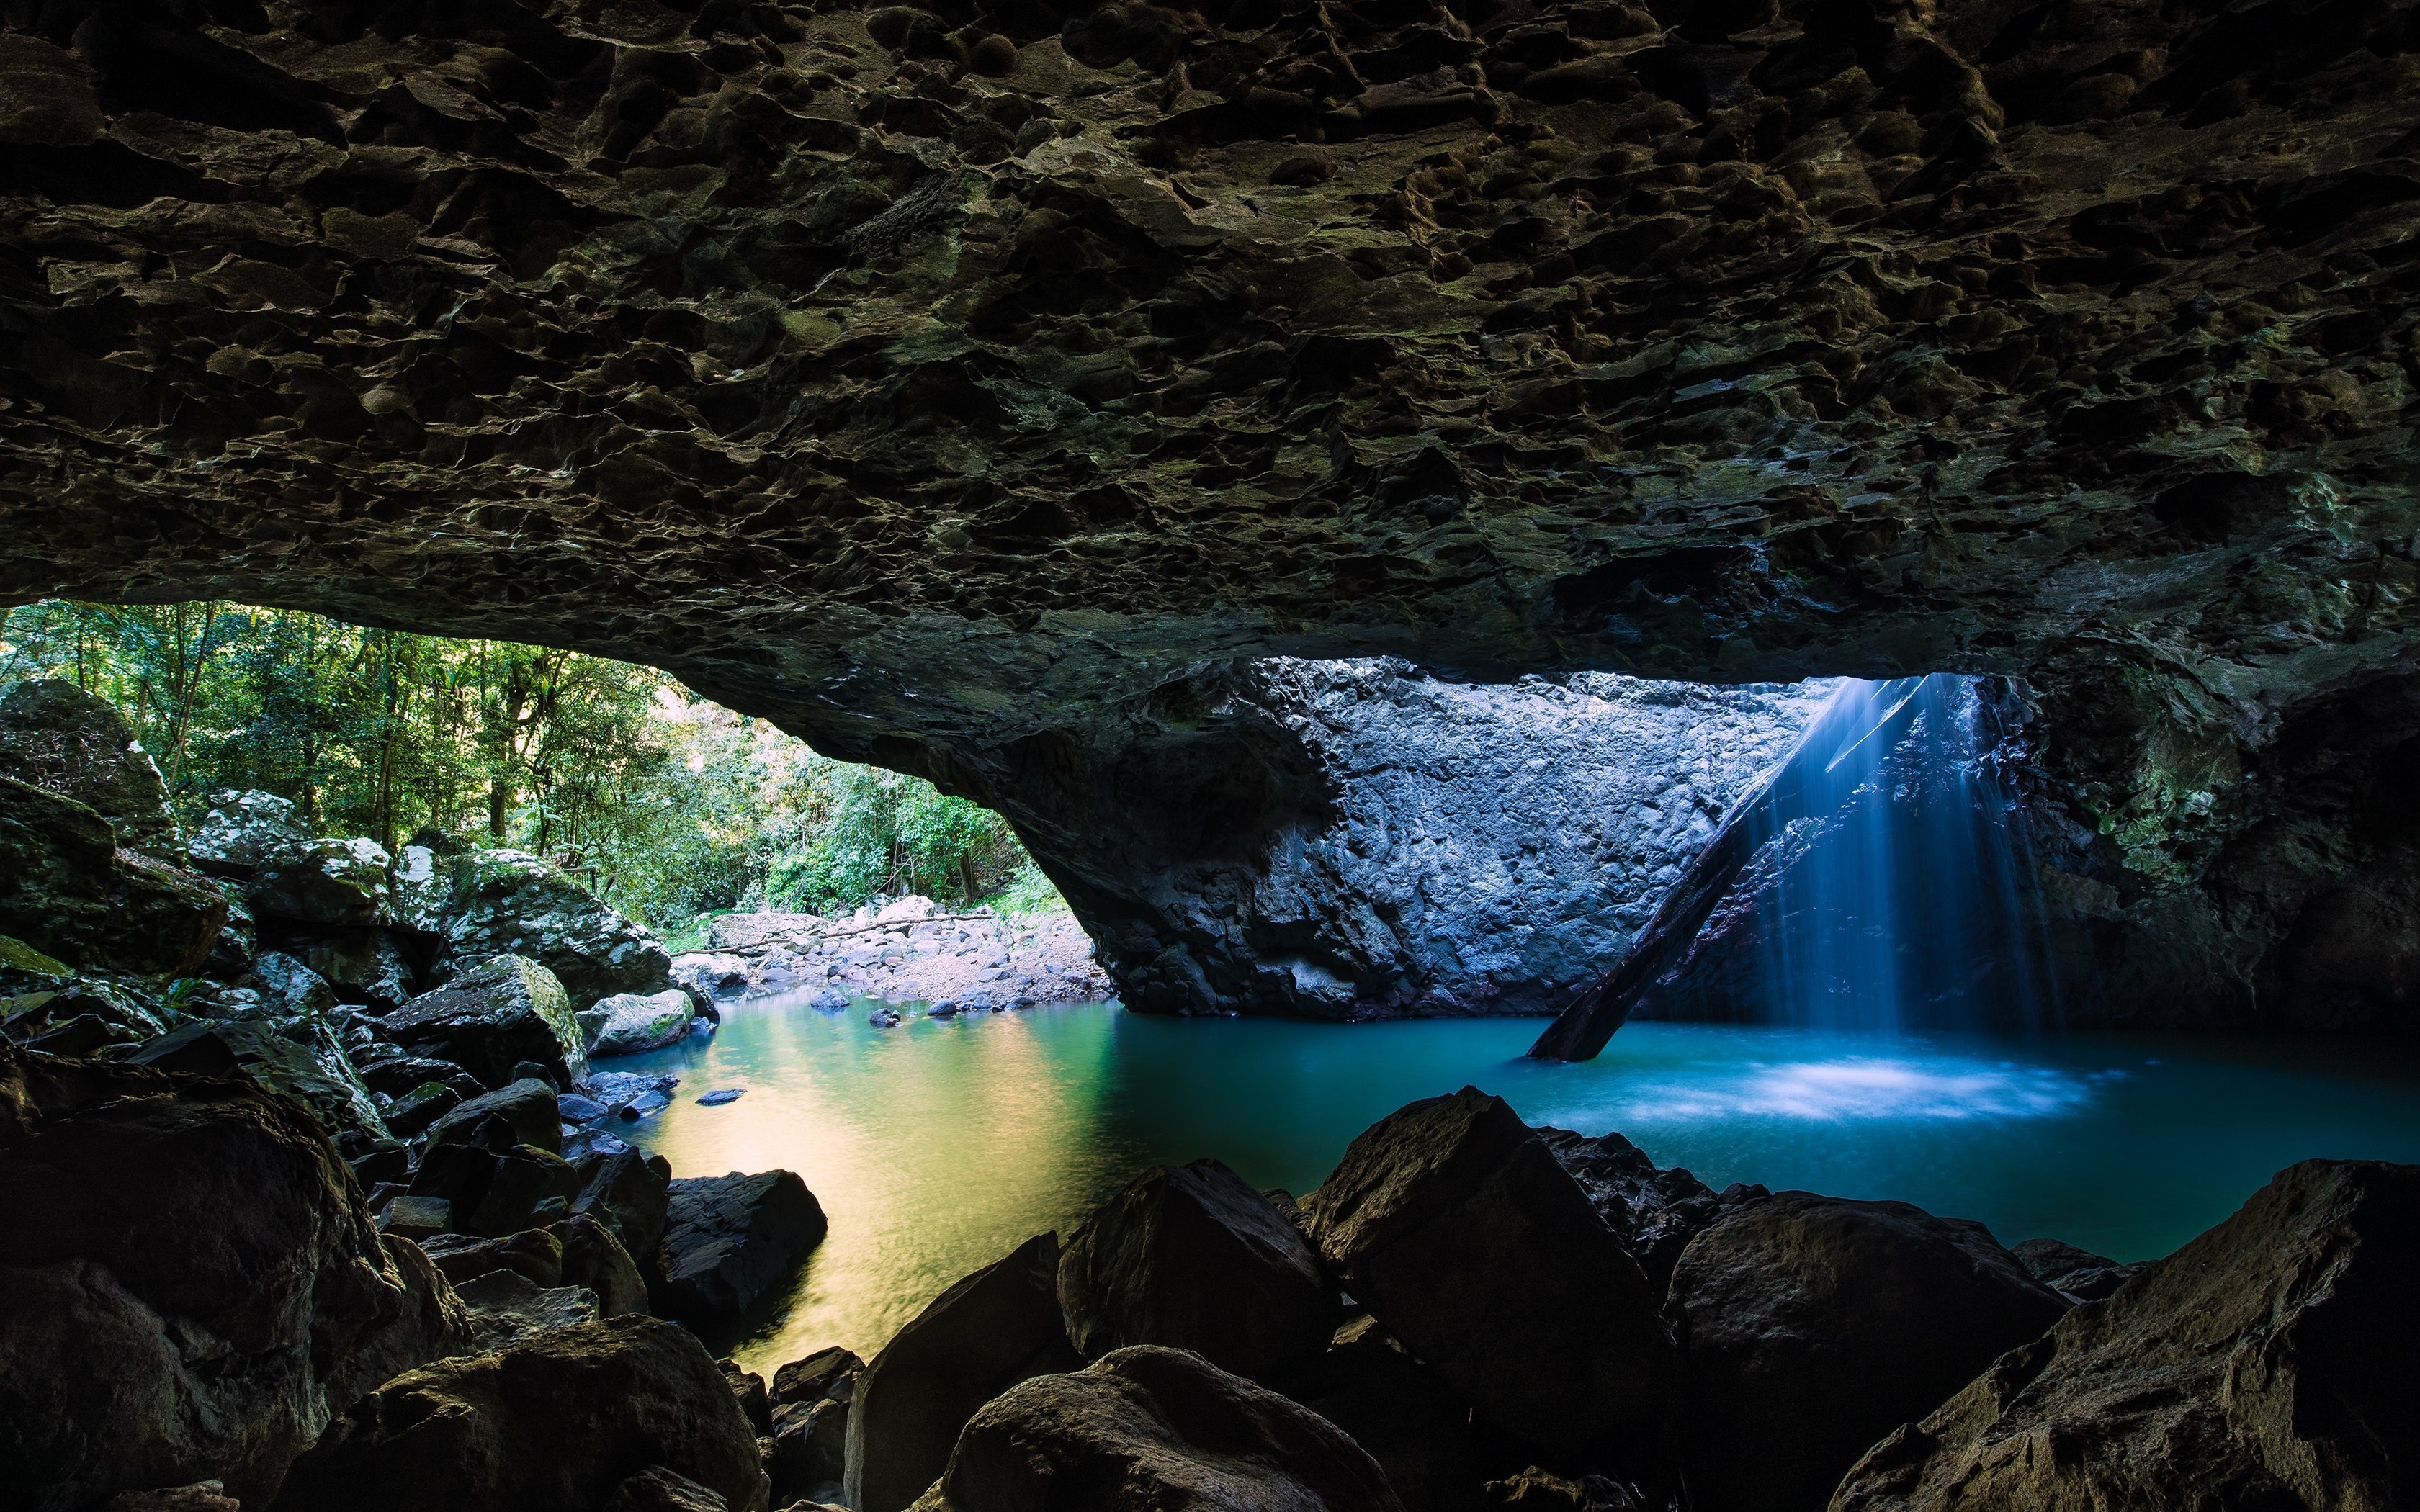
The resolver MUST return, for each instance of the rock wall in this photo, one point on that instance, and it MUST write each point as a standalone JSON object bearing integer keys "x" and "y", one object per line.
{"x": 1472, "y": 848}
{"x": 961, "y": 388}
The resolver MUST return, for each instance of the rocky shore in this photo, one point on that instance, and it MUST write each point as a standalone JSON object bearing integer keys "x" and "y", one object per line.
{"x": 910, "y": 950}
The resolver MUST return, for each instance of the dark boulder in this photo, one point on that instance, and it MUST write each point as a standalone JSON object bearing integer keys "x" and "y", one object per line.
{"x": 72, "y": 893}
{"x": 748, "y": 1390}
{"x": 1814, "y": 1325}
{"x": 657, "y": 1489}
{"x": 306, "y": 1059}
{"x": 192, "y": 1284}
{"x": 1450, "y": 1221}
{"x": 490, "y": 1019}
{"x": 1655, "y": 1212}
{"x": 498, "y": 1193}
{"x": 593, "y": 1257}
{"x": 59, "y": 737}
{"x": 533, "y": 1253}
{"x": 985, "y": 1333}
{"x": 361, "y": 965}
{"x": 506, "y": 1309}
{"x": 1194, "y": 1258}
{"x": 520, "y": 1114}
{"x": 729, "y": 1241}
{"x": 1411, "y": 1422}
{"x": 560, "y": 1423}
{"x": 815, "y": 1377}
{"x": 630, "y": 1194}
{"x": 2078, "y": 1272}
{"x": 2265, "y": 1365}
{"x": 810, "y": 1406}
{"x": 1146, "y": 1429}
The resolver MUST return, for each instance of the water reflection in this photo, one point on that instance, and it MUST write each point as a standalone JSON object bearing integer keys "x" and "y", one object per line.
{"x": 937, "y": 1147}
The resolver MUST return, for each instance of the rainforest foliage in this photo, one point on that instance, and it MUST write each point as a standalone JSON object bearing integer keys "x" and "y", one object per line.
{"x": 667, "y": 804}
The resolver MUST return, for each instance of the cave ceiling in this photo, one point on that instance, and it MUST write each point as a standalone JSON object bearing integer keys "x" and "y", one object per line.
{"x": 927, "y": 378}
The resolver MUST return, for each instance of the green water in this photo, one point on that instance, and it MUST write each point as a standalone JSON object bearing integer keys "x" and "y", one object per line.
{"x": 938, "y": 1146}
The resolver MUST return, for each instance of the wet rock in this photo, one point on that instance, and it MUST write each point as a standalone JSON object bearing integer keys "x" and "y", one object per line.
{"x": 1409, "y": 1420}
{"x": 490, "y": 1019}
{"x": 1195, "y": 1258}
{"x": 883, "y": 1018}
{"x": 627, "y": 1024}
{"x": 417, "y": 1218}
{"x": 288, "y": 988}
{"x": 1563, "y": 1345}
{"x": 2079, "y": 1273}
{"x": 1148, "y": 1428}
{"x": 409, "y": 1116}
{"x": 113, "y": 1011}
{"x": 512, "y": 903}
{"x": 201, "y": 1237}
{"x": 987, "y": 1332}
{"x": 1815, "y": 1325}
{"x": 421, "y": 890}
{"x": 59, "y": 737}
{"x": 595, "y": 1259}
{"x": 729, "y": 1241}
{"x": 561, "y": 1421}
{"x": 720, "y": 1096}
{"x": 241, "y": 829}
{"x": 361, "y": 965}
{"x": 630, "y": 1194}
{"x": 72, "y": 894}
{"x": 524, "y": 1112}
{"x": 303, "y": 1060}
{"x": 2265, "y": 1363}
{"x": 324, "y": 881}
{"x": 506, "y": 1309}
{"x": 810, "y": 1453}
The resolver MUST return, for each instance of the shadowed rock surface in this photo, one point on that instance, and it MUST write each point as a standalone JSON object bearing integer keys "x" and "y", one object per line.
{"x": 1151, "y": 1429}
{"x": 729, "y": 1241}
{"x": 560, "y": 1422}
{"x": 72, "y": 893}
{"x": 1561, "y": 1342}
{"x": 193, "y": 1288}
{"x": 57, "y": 736}
{"x": 989, "y": 1331}
{"x": 972, "y": 390}
{"x": 2265, "y": 1363}
{"x": 1193, "y": 1258}
{"x": 1811, "y": 1326}
{"x": 490, "y": 1019}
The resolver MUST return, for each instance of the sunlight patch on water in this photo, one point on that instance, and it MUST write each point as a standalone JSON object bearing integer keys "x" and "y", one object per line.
{"x": 1861, "y": 1088}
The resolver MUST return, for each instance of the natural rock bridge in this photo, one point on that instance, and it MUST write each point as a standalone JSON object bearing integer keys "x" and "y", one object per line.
{"x": 984, "y": 390}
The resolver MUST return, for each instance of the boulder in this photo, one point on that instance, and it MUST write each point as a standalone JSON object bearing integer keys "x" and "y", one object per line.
{"x": 1450, "y": 1221}
{"x": 420, "y": 890}
{"x": 409, "y": 1116}
{"x": 729, "y": 1241}
{"x": 657, "y": 1489}
{"x": 362, "y": 965}
{"x": 630, "y": 1023}
{"x": 630, "y": 1194}
{"x": 811, "y": 1401}
{"x": 495, "y": 1193}
{"x": 199, "y": 1238}
{"x": 117, "y": 1013}
{"x": 594, "y": 1258}
{"x": 748, "y": 1390}
{"x": 982, "y": 1335}
{"x": 507, "y": 1310}
{"x": 561, "y": 1421}
{"x": 1409, "y": 1420}
{"x": 2078, "y": 1272}
{"x": 1149, "y": 1428}
{"x": 533, "y": 1253}
{"x": 710, "y": 975}
{"x": 288, "y": 988}
{"x": 323, "y": 881}
{"x": 59, "y": 737}
{"x": 488, "y": 1020}
{"x": 1814, "y": 1325}
{"x": 303, "y": 1060}
{"x": 1653, "y": 1212}
{"x": 2266, "y": 1364}
{"x": 520, "y": 1114}
{"x": 511, "y": 902}
{"x": 72, "y": 894}
{"x": 430, "y": 1323}
{"x": 1196, "y": 1258}
{"x": 239, "y": 830}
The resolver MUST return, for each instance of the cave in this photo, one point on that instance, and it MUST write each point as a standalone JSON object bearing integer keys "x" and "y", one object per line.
{"x": 1386, "y": 498}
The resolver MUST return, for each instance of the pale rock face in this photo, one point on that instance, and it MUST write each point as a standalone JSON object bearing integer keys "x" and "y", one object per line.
{"x": 241, "y": 830}
{"x": 630, "y": 1023}
{"x": 511, "y": 902}
{"x": 324, "y": 881}
{"x": 423, "y": 888}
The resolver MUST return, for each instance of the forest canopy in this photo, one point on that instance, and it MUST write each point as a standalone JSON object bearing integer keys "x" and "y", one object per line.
{"x": 668, "y": 805}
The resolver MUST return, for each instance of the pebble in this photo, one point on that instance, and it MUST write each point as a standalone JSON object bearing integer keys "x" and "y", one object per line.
{"x": 719, "y": 1096}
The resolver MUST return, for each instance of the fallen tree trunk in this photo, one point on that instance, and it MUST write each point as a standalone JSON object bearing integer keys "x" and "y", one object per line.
{"x": 1582, "y": 1029}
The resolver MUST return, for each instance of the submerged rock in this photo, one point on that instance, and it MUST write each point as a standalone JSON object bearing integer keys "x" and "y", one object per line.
{"x": 490, "y": 1019}
{"x": 199, "y": 1238}
{"x": 1450, "y": 1221}
{"x": 56, "y": 736}
{"x": 1815, "y": 1325}
{"x": 728, "y": 1241}
{"x": 1147, "y": 1428}
{"x": 2265, "y": 1363}
{"x": 627, "y": 1024}
{"x": 1195, "y": 1258}
{"x": 987, "y": 1332}
{"x": 563, "y": 1421}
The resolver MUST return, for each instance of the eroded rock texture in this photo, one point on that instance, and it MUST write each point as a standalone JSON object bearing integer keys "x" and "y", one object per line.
{"x": 962, "y": 387}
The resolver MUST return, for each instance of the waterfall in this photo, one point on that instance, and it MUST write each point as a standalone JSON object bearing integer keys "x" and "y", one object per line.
{"x": 1877, "y": 880}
